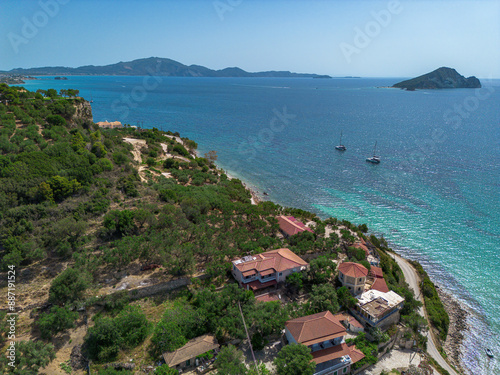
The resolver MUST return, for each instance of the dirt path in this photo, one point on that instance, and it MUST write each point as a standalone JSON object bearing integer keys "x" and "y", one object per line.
{"x": 413, "y": 280}
{"x": 138, "y": 144}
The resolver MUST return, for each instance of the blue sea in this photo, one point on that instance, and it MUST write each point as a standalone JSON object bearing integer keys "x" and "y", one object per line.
{"x": 435, "y": 196}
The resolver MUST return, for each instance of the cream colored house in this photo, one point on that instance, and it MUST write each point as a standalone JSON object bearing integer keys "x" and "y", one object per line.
{"x": 353, "y": 276}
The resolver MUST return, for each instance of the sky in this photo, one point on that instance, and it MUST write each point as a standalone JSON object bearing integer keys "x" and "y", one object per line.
{"x": 392, "y": 38}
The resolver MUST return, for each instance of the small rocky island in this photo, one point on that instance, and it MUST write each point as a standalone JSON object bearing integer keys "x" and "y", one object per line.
{"x": 442, "y": 78}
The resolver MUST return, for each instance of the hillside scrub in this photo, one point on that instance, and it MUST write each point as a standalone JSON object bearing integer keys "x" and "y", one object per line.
{"x": 438, "y": 316}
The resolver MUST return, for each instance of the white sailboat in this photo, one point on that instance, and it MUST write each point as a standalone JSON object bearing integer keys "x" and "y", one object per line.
{"x": 374, "y": 159}
{"x": 340, "y": 147}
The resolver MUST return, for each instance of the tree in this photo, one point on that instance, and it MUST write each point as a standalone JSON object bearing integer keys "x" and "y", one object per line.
{"x": 321, "y": 269}
{"x": 62, "y": 187}
{"x": 103, "y": 340}
{"x": 296, "y": 280}
{"x": 323, "y": 297}
{"x": 133, "y": 326}
{"x": 211, "y": 156}
{"x": 52, "y": 93}
{"x": 294, "y": 359}
{"x": 230, "y": 362}
{"x": 57, "y": 320}
{"x": 30, "y": 357}
{"x": 151, "y": 162}
{"x": 262, "y": 370}
{"x": 68, "y": 286}
{"x": 345, "y": 298}
{"x": 119, "y": 222}
{"x": 178, "y": 325}
{"x": 56, "y": 120}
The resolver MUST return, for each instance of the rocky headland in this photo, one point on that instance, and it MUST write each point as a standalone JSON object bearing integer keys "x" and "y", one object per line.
{"x": 442, "y": 78}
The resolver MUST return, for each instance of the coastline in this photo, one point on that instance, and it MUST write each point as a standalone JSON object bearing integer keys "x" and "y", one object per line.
{"x": 458, "y": 329}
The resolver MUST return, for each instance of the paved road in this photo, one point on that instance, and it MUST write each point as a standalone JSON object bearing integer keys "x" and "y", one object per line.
{"x": 413, "y": 280}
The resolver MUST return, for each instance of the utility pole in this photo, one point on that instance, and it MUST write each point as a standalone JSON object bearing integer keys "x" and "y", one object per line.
{"x": 249, "y": 341}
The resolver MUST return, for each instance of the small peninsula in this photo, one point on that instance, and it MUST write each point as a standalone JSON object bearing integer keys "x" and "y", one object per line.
{"x": 442, "y": 78}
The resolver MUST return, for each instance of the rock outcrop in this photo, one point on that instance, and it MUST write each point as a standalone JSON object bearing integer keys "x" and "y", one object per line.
{"x": 442, "y": 78}
{"x": 83, "y": 111}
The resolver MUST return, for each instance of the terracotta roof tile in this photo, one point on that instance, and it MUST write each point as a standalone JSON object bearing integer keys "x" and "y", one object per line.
{"x": 315, "y": 328}
{"x": 380, "y": 285}
{"x": 292, "y": 226}
{"x": 256, "y": 285}
{"x": 334, "y": 352}
{"x": 353, "y": 269}
{"x": 275, "y": 260}
{"x": 355, "y": 354}
{"x": 376, "y": 271}
{"x": 360, "y": 245}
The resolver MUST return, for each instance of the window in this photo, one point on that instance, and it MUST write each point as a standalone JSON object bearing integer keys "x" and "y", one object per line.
{"x": 359, "y": 289}
{"x": 344, "y": 370}
{"x": 281, "y": 273}
{"x": 336, "y": 373}
{"x": 360, "y": 280}
{"x": 188, "y": 362}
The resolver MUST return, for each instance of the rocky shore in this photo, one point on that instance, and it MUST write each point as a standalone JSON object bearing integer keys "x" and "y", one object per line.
{"x": 457, "y": 330}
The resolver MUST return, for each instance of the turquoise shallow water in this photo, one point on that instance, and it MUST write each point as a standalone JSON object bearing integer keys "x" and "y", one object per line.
{"x": 435, "y": 196}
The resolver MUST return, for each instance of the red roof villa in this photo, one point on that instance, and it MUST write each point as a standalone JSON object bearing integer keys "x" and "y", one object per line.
{"x": 263, "y": 270}
{"x": 290, "y": 226}
{"x": 353, "y": 276}
{"x": 324, "y": 335}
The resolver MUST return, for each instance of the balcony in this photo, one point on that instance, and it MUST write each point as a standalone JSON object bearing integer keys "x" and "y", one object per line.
{"x": 333, "y": 365}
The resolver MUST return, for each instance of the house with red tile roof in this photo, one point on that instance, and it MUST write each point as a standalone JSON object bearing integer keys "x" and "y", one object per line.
{"x": 353, "y": 276}
{"x": 325, "y": 336}
{"x": 260, "y": 271}
{"x": 376, "y": 272}
{"x": 290, "y": 226}
{"x": 376, "y": 277}
{"x": 362, "y": 245}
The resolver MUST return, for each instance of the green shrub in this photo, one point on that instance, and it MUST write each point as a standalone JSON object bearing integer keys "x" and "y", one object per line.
{"x": 57, "y": 320}
{"x": 119, "y": 222}
{"x": 56, "y": 120}
{"x": 68, "y": 286}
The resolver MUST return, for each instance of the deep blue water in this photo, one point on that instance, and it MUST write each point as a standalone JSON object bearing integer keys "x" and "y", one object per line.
{"x": 435, "y": 196}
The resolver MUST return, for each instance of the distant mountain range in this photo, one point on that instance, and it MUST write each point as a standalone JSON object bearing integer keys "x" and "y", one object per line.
{"x": 154, "y": 66}
{"x": 442, "y": 78}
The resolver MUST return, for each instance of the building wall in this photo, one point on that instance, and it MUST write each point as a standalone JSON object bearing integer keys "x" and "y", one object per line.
{"x": 279, "y": 278}
{"x": 237, "y": 274}
{"x": 355, "y": 285}
{"x": 386, "y": 323}
{"x": 289, "y": 337}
